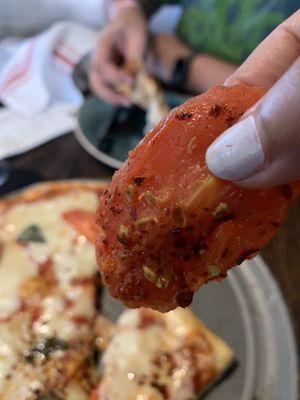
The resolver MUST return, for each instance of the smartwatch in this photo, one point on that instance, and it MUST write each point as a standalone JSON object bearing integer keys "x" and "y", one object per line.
{"x": 180, "y": 73}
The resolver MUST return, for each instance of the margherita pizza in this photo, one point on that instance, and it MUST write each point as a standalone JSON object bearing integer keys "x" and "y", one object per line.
{"x": 161, "y": 356}
{"x": 49, "y": 321}
{"x": 48, "y": 285}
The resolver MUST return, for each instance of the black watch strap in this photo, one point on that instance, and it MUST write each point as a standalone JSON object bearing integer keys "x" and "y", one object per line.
{"x": 180, "y": 73}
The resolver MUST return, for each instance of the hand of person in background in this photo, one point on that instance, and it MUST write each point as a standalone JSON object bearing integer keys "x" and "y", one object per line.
{"x": 205, "y": 71}
{"x": 123, "y": 41}
{"x": 263, "y": 149}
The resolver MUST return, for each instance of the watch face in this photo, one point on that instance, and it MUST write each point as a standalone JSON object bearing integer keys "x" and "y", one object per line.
{"x": 109, "y": 132}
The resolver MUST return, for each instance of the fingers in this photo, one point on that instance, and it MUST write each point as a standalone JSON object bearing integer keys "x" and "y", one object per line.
{"x": 263, "y": 150}
{"x": 101, "y": 88}
{"x": 272, "y": 57}
{"x": 105, "y": 75}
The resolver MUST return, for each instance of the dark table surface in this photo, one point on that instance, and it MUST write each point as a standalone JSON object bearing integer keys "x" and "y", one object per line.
{"x": 63, "y": 158}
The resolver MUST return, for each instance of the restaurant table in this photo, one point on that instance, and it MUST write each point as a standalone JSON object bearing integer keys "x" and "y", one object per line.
{"x": 63, "y": 158}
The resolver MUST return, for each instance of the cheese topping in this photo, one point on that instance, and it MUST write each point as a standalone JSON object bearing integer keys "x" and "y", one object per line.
{"x": 155, "y": 356}
{"x": 47, "y": 297}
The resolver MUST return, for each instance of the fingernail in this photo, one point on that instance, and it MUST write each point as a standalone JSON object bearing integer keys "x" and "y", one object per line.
{"x": 237, "y": 154}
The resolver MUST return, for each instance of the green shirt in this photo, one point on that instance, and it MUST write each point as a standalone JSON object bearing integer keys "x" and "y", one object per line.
{"x": 229, "y": 29}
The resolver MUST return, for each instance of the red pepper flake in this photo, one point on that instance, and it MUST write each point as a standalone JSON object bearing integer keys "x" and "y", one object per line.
{"x": 247, "y": 255}
{"x": 133, "y": 213}
{"x": 286, "y": 191}
{"x": 215, "y": 111}
{"x": 275, "y": 224}
{"x": 184, "y": 116}
{"x": 139, "y": 180}
{"x": 230, "y": 120}
{"x": 184, "y": 299}
{"x": 80, "y": 319}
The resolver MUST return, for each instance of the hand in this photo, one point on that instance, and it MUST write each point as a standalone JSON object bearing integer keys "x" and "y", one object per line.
{"x": 263, "y": 149}
{"x": 124, "y": 39}
{"x": 165, "y": 51}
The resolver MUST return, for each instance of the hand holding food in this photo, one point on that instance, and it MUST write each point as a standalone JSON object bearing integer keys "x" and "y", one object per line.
{"x": 170, "y": 225}
{"x": 263, "y": 150}
{"x": 121, "y": 42}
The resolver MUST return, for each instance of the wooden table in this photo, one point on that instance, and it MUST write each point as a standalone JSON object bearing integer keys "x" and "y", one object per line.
{"x": 64, "y": 158}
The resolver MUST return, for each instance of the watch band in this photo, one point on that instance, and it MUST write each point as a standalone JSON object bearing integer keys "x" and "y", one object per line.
{"x": 180, "y": 73}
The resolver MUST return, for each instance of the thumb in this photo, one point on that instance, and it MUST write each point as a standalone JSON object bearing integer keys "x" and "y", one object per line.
{"x": 263, "y": 149}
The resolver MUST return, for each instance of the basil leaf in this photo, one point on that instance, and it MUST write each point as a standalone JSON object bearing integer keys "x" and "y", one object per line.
{"x": 32, "y": 233}
{"x": 46, "y": 349}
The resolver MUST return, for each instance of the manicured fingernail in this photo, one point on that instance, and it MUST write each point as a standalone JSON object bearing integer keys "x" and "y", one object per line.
{"x": 237, "y": 154}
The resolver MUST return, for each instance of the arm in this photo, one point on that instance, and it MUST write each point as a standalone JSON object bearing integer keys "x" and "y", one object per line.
{"x": 205, "y": 70}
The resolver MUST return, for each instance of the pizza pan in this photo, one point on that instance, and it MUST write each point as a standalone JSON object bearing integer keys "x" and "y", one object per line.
{"x": 247, "y": 310}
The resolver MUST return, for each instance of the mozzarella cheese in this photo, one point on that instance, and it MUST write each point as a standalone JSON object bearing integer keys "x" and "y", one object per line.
{"x": 155, "y": 356}
{"x": 54, "y": 308}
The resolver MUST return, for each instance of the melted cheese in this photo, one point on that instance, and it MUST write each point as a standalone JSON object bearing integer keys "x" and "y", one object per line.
{"x": 131, "y": 356}
{"x": 19, "y": 263}
{"x": 72, "y": 257}
{"x": 154, "y": 356}
{"x": 15, "y": 268}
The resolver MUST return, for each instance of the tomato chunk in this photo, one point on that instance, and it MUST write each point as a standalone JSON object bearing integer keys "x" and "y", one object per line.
{"x": 84, "y": 223}
{"x": 170, "y": 226}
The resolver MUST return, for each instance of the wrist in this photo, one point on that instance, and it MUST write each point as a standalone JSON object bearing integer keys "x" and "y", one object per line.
{"x": 181, "y": 72}
{"x": 193, "y": 82}
{"x": 116, "y": 7}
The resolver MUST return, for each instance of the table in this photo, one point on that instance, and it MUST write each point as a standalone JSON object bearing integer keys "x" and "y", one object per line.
{"x": 63, "y": 158}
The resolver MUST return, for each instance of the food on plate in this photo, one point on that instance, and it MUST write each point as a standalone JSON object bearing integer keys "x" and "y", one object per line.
{"x": 161, "y": 356}
{"x": 147, "y": 94}
{"x": 48, "y": 276}
{"x": 169, "y": 225}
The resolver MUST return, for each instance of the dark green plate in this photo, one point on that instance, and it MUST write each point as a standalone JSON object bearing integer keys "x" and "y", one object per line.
{"x": 108, "y": 132}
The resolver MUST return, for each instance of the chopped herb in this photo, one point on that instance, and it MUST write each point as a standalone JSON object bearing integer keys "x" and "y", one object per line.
{"x": 179, "y": 217}
{"x": 191, "y": 145}
{"x": 150, "y": 198}
{"x": 221, "y": 211}
{"x": 213, "y": 271}
{"x": 150, "y": 273}
{"x": 45, "y": 349}
{"x": 129, "y": 193}
{"x": 123, "y": 234}
{"x": 163, "y": 281}
{"x": 32, "y": 233}
{"x": 145, "y": 220}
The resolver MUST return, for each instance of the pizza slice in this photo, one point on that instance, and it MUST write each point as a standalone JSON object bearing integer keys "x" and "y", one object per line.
{"x": 48, "y": 292}
{"x": 146, "y": 93}
{"x": 161, "y": 356}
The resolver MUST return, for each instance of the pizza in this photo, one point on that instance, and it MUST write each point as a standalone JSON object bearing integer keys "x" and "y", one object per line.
{"x": 159, "y": 356}
{"x": 169, "y": 225}
{"x": 146, "y": 93}
{"x": 48, "y": 292}
{"x": 51, "y": 325}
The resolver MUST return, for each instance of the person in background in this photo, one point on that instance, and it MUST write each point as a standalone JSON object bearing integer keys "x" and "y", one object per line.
{"x": 263, "y": 149}
{"x": 213, "y": 37}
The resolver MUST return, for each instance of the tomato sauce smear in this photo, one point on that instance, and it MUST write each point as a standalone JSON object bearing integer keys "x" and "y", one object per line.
{"x": 169, "y": 225}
